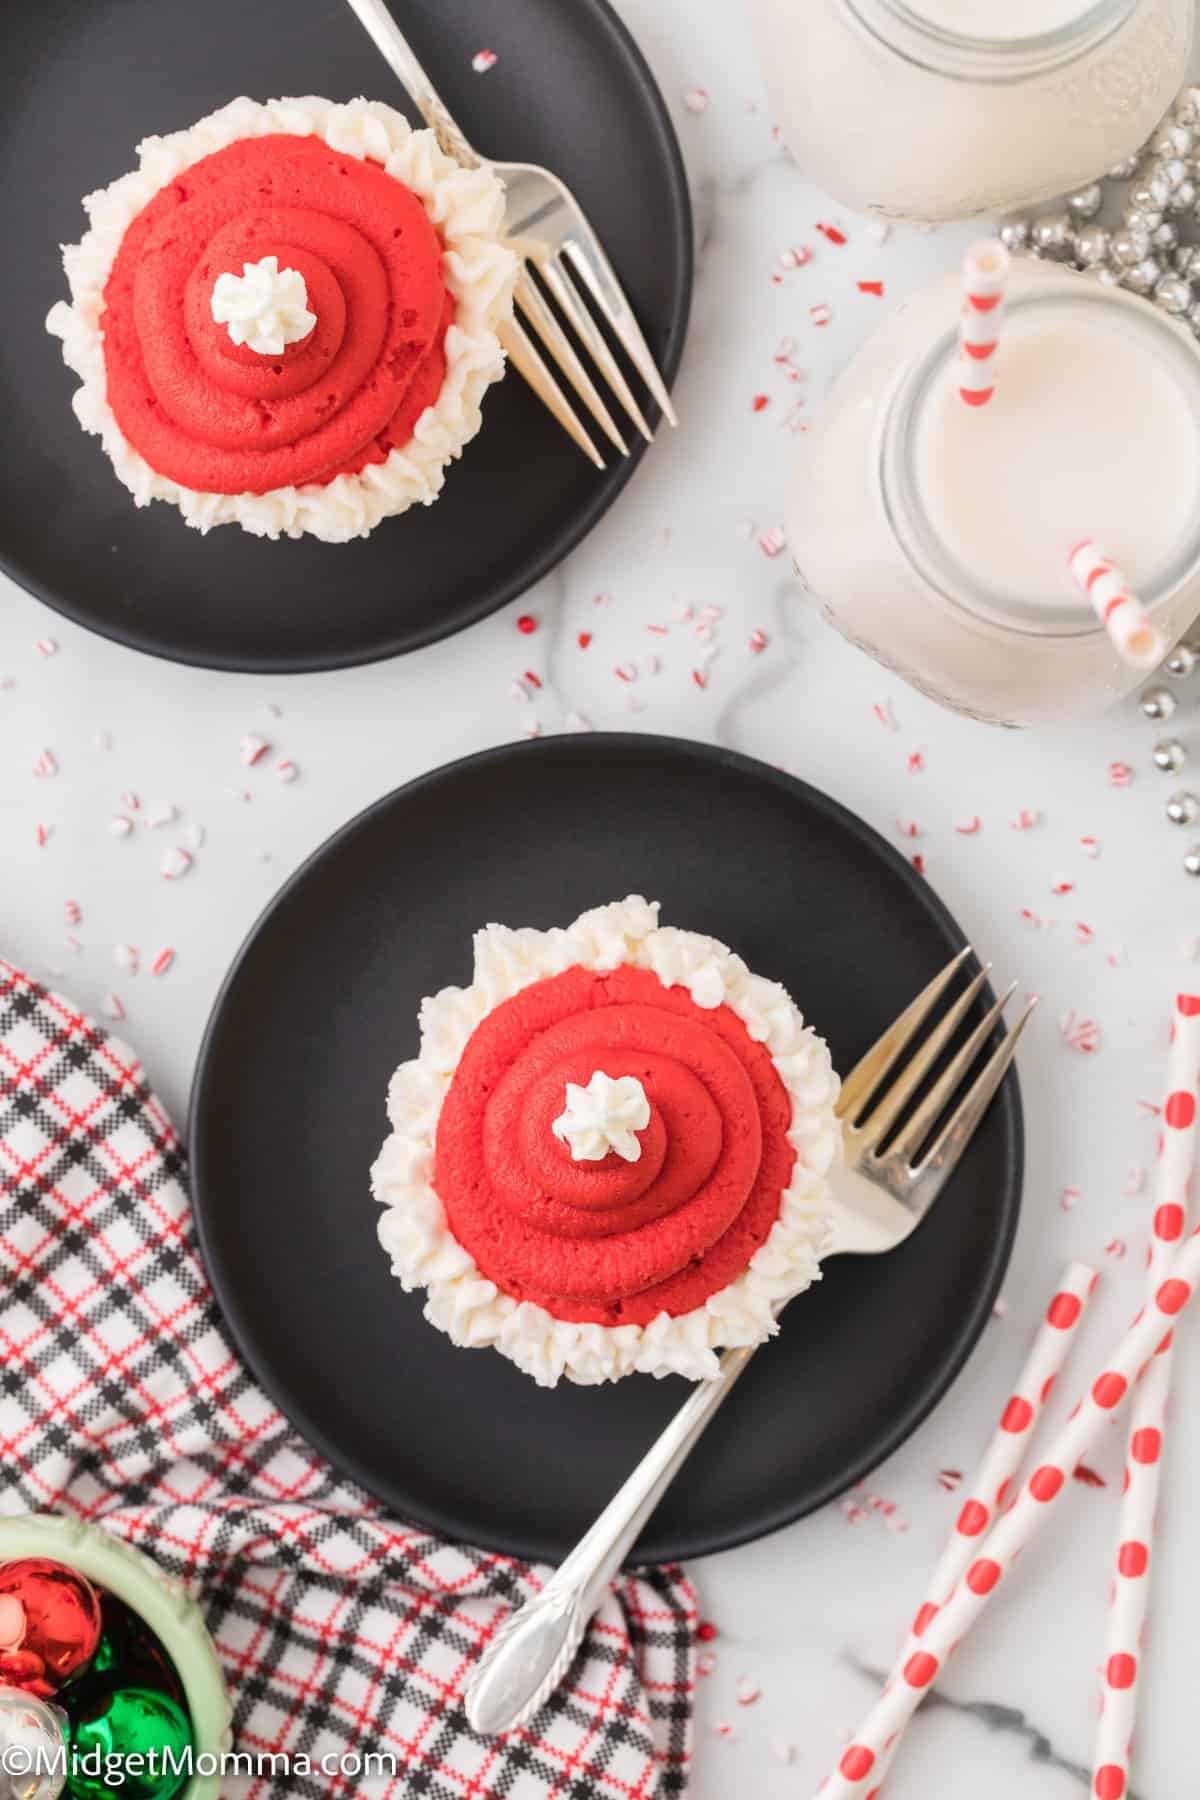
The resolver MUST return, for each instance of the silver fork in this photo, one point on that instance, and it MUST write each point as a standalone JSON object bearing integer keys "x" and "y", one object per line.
{"x": 546, "y": 225}
{"x": 881, "y": 1194}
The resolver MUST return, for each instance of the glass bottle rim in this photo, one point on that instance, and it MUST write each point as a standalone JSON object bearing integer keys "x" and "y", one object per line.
{"x": 914, "y": 531}
{"x": 942, "y": 51}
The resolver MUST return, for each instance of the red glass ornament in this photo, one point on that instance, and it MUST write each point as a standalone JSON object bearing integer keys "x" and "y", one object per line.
{"x": 62, "y": 1613}
{"x": 25, "y": 1669}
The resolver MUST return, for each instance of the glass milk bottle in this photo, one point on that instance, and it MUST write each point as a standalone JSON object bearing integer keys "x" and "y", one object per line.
{"x": 937, "y": 535}
{"x": 942, "y": 109}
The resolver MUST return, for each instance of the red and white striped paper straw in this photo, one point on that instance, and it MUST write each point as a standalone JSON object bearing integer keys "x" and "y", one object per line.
{"x": 860, "y": 1767}
{"x": 985, "y": 277}
{"x": 1136, "y": 638}
{"x": 991, "y": 1488}
{"x": 1147, "y": 1427}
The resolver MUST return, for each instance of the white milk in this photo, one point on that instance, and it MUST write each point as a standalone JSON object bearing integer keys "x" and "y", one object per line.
{"x": 890, "y": 114}
{"x": 936, "y": 535}
{"x": 1000, "y": 20}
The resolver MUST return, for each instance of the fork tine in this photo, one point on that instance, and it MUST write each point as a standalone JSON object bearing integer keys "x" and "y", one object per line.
{"x": 866, "y": 1074}
{"x": 554, "y": 273}
{"x": 600, "y": 278}
{"x": 915, "y": 1130}
{"x": 556, "y": 341}
{"x": 958, "y": 1130}
{"x": 528, "y": 361}
{"x": 878, "y": 1122}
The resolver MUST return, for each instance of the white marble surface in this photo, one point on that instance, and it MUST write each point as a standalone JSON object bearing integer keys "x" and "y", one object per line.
{"x": 806, "y": 1612}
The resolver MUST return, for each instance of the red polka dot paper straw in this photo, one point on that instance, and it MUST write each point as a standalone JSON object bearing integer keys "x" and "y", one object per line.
{"x": 1136, "y": 638}
{"x": 985, "y": 277}
{"x": 862, "y": 1766}
{"x": 993, "y": 1485}
{"x": 1147, "y": 1430}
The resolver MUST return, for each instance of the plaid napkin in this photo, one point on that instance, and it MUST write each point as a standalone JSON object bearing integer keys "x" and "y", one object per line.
{"x": 123, "y": 1401}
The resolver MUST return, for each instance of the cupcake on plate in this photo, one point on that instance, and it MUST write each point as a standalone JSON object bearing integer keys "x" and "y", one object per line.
{"x": 286, "y": 317}
{"x": 612, "y": 1153}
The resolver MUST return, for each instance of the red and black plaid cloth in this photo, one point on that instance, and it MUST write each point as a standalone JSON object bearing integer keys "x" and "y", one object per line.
{"x": 123, "y": 1402}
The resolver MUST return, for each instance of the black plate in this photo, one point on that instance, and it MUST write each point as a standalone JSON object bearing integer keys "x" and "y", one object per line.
{"x": 288, "y": 1114}
{"x": 80, "y": 82}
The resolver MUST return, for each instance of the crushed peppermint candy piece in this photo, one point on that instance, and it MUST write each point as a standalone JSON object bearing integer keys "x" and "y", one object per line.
{"x": 1088, "y": 1476}
{"x": 252, "y": 748}
{"x": 1000, "y": 1310}
{"x": 1116, "y": 1248}
{"x": 119, "y": 825}
{"x": 575, "y": 721}
{"x": 871, "y": 287}
{"x": 166, "y": 815}
{"x": 969, "y": 827}
{"x": 772, "y": 541}
{"x": 126, "y": 957}
{"x": 131, "y": 801}
{"x": 651, "y": 665}
{"x": 782, "y": 1751}
{"x": 483, "y": 60}
{"x": 1090, "y": 847}
{"x": 760, "y": 403}
{"x": 832, "y": 232}
{"x": 696, "y": 100}
{"x": 795, "y": 257}
{"x": 162, "y": 962}
{"x": 626, "y": 672}
{"x": 286, "y": 769}
{"x": 193, "y": 835}
{"x": 916, "y": 762}
{"x": 706, "y": 1662}
{"x": 42, "y": 835}
{"x": 1062, "y": 886}
{"x": 1135, "y": 1181}
{"x": 111, "y": 1007}
{"x": 72, "y": 942}
{"x": 1080, "y": 1034}
{"x": 748, "y": 1692}
{"x": 700, "y": 678}
{"x": 883, "y": 712}
{"x": 1119, "y": 774}
{"x": 46, "y": 765}
{"x": 1069, "y": 1198}
{"x": 584, "y": 639}
{"x": 950, "y": 1479}
{"x": 1084, "y": 935}
{"x": 1026, "y": 819}
{"x": 758, "y": 641}
{"x": 908, "y": 828}
{"x": 821, "y": 314}
{"x": 72, "y": 912}
{"x": 47, "y": 646}
{"x": 175, "y": 864}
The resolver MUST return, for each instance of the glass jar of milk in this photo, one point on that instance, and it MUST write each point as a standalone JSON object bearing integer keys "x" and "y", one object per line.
{"x": 937, "y": 535}
{"x": 941, "y": 109}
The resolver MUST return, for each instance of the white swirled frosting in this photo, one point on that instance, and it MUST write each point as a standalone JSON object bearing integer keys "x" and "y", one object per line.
{"x": 604, "y": 1116}
{"x": 466, "y": 206}
{"x": 469, "y": 1307}
{"x": 265, "y": 307}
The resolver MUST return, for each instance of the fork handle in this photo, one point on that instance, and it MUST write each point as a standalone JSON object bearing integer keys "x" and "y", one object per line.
{"x": 532, "y": 1651}
{"x": 396, "y": 51}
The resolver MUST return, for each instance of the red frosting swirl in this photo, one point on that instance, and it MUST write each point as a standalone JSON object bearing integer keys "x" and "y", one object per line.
{"x": 611, "y": 1242}
{"x": 219, "y": 418}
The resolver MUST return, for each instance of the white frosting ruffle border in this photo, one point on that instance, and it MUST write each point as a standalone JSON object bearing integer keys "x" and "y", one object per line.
{"x": 471, "y": 1309}
{"x": 467, "y": 207}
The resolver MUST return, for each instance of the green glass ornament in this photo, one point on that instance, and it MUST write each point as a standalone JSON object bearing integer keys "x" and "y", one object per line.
{"x": 129, "y": 1653}
{"x": 127, "y": 1735}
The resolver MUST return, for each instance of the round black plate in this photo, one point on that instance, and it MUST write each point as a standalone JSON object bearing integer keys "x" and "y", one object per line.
{"x": 288, "y": 1114}
{"x": 80, "y": 82}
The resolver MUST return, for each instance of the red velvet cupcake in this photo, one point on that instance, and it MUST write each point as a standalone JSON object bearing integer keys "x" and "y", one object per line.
{"x": 611, "y": 1153}
{"x": 286, "y": 317}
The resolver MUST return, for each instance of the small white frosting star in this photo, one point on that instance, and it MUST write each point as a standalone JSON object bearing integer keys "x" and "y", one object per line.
{"x": 605, "y": 1115}
{"x": 265, "y": 306}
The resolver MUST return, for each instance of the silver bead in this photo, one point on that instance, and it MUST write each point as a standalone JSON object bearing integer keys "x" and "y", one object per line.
{"x": 1173, "y": 139}
{"x": 1143, "y": 218}
{"x": 1191, "y": 861}
{"x": 1158, "y": 703}
{"x": 1182, "y": 661}
{"x": 1086, "y": 203}
{"x": 1125, "y": 171}
{"x": 1143, "y": 277}
{"x": 1194, "y": 319}
{"x": 1169, "y": 756}
{"x": 1164, "y": 237}
{"x": 1150, "y": 195}
{"x": 1183, "y": 198}
{"x": 1052, "y": 236}
{"x": 1183, "y": 809}
{"x": 1187, "y": 259}
{"x": 1187, "y": 106}
{"x": 1168, "y": 172}
{"x": 1106, "y": 276}
{"x": 1091, "y": 245}
{"x": 1014, "y": 235}
{"x": 1128, "y": 246}
{"x": 1173, "y": 293}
